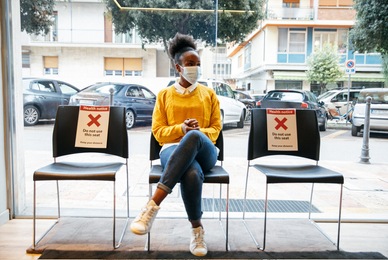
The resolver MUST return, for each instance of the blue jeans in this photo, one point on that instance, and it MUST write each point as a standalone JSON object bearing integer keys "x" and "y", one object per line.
{"x": 186, "y": 163}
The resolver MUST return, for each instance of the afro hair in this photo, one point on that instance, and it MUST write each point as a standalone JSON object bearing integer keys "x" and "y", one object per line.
{"x": 180, "y": 44}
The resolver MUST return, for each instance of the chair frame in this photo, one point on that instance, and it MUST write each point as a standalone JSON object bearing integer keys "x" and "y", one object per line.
{"x": 253, "y": 155}
{"x": 56, "y": 153}
{"x": 154, "y": 155}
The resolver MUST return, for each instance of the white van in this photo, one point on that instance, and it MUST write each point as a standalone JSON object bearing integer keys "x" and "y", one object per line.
{"x": 232, "y": 110}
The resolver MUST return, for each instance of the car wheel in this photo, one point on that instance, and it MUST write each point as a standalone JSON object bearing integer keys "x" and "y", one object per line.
{"x": 249, "y": 111}
{"x": 130, "y": 118}
{"x": 324, "y": 126}
{"x": 31, "y": 115}
{"x": 240, "y": 124}
{"x": 355, "y": 130}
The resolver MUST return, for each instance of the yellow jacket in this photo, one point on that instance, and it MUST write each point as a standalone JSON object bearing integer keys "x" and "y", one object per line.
{"x": 172, "y": 109}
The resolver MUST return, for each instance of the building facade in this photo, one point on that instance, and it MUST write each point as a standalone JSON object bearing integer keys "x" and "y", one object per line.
{"x": 274, "y": 56}
{"x": 82, "y": 48}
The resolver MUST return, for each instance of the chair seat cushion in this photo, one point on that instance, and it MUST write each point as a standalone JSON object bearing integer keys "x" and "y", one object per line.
{"x": 299, "y": 173}
{"x": 78, "y": 171}
{"x": 216, "y": 175}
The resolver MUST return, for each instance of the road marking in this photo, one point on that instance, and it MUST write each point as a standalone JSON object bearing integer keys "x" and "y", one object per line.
{"x": 335, "y": 134}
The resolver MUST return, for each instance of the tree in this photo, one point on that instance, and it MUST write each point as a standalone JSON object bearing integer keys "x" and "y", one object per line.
{"x": 370, "y": 32}
{"x": 160, "y": 26}
{"x": 36, "y": 16}
{"x": 323, "y": 66}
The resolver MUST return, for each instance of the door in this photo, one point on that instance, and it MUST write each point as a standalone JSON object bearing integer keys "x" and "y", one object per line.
{"x": 149, "y": 102}
{"x": 231, "y": 107}
{"x": 48, "y": 97}
{"x": 134, "y": 99}
{"x": 66, "y": 92}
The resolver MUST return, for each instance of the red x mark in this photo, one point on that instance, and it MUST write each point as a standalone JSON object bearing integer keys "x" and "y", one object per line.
{"x": 281, "y": 123}
{"x": 94, "y": 120}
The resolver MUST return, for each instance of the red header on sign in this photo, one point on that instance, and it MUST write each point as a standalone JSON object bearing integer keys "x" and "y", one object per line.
{"x": 281, "y": 111}
{"x": 93, "y": 108}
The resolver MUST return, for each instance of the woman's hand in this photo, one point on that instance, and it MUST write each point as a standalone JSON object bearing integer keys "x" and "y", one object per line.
{"x": 190, "y": 124}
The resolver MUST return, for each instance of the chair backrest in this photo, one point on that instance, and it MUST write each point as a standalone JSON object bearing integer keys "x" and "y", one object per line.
{"x": 65, "y": 129}
{"x": 155, "y": 147}
{"x": 307, "y": 129}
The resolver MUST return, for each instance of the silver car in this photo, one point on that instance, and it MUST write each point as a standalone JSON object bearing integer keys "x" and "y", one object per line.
{"x": 379, "y": 110}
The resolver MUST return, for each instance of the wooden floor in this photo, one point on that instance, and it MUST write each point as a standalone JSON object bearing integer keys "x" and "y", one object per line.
{"x": 16, "y": 237}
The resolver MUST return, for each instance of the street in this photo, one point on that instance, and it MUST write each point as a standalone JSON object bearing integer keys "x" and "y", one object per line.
{"x": 336, "y": 145}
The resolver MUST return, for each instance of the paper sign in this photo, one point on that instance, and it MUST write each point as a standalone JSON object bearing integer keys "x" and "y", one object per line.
{"x": 281, "y": 130}
{"x": 92, "y": 127}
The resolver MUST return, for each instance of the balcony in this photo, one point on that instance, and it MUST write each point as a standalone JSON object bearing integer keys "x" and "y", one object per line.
{"x": 290, "y": 13}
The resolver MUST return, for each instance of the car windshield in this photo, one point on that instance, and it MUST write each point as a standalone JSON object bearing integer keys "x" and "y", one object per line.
{"x": 285, "y": 96}
{"x": 103, "y": 88}
{"x": 378, "y": 97}
{"x": 325, "y": 95}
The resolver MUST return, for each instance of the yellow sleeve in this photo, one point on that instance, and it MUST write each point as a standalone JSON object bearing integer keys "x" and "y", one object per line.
{"x": 215, "y": 121}
{"x": 162, "y": 131}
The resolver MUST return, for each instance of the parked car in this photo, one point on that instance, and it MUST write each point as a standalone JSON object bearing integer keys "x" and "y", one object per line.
{"x": 41, "y": 98}
{"x": 247, "y": 100}
{"x": 257, "y": 97}
{"x": 378, "y": 110}
{"x": 299, "y": 99}
{"x": 338, "y": 97}
{"x": 138, "y": 101}
{"x": 232, "y": 110}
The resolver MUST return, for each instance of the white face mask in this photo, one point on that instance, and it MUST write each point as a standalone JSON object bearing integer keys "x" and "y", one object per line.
{"x": 192, "y": 73}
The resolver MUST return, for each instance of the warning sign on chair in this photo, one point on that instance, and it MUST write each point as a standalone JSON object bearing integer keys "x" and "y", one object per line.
{"x": 92, "y": 128}
{"x": 281, "y": 130}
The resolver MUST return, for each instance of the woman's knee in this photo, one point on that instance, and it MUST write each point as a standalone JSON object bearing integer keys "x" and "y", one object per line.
{"x": 193, "y": 175}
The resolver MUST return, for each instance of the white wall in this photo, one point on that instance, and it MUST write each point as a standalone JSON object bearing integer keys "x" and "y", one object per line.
{"x": 271, "y": 45}
{"x": 80, "y": 22}
{"x": 83, "y": 66}
{"x": 257, "y": 51}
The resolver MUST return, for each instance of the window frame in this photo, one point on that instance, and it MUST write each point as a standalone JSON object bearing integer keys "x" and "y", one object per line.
{"x": 315, "y": 33}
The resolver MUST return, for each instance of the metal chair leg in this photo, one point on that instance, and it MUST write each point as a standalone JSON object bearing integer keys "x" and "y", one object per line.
{"x": 114, "y": 214}
{"x": 339, "y": 218}
{"x": 311, "y": 200}
{"x": 34, "y": 242}
{"x": 148, "y": 242}
{"x": 227, "y": 218}
{"x": 246, "y": 186}
{"x": 265, "y": 216}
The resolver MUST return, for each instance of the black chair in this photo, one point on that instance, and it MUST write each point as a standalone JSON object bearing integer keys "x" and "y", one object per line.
{"x": 308, "y": 140}
{"x": 216, "y": 175}
{"x": 64, "y": 136}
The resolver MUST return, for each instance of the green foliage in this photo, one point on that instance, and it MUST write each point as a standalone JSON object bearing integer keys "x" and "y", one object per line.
{"x": 160, "y": 26}
{"x": 36, "y": 16}
{"x": 370, "y": 32}
{"x": 384, "y": 63}
{"x": 323, "y": 66}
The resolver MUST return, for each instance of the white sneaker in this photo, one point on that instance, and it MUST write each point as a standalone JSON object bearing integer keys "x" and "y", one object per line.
{"x": 197, "y": 244}
{"x": 142, "y": 224}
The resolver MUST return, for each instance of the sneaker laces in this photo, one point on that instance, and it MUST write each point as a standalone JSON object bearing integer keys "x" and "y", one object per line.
{"x": 146, "y": 214}
{"x": 198, "y": 240}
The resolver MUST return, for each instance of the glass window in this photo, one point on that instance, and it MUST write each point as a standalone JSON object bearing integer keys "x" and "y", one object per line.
{"x": 147, "y": 94}
{"x": 66, "y": 89}
{"x": 282, "y": 40}
{"x": 288, "y": 84}
{"x": 46, "y": 86}
{"x": 297, "y": 42}
{"x": 134, "y": 92}
{"x": 285, "y": 96}
{"x": 339, "y": 39}
{"x": 103, "y": 88}
{"x": 25, "y": 60}
{"x": 248, "y": 54}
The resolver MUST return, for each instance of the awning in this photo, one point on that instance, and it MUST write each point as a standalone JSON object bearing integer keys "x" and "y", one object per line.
{"x": 297, "y": 75}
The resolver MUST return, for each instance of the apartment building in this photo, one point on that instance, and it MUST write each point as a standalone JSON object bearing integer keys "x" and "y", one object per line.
{"x": 82, "y": 48}
{"x": 274, "y": 55}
